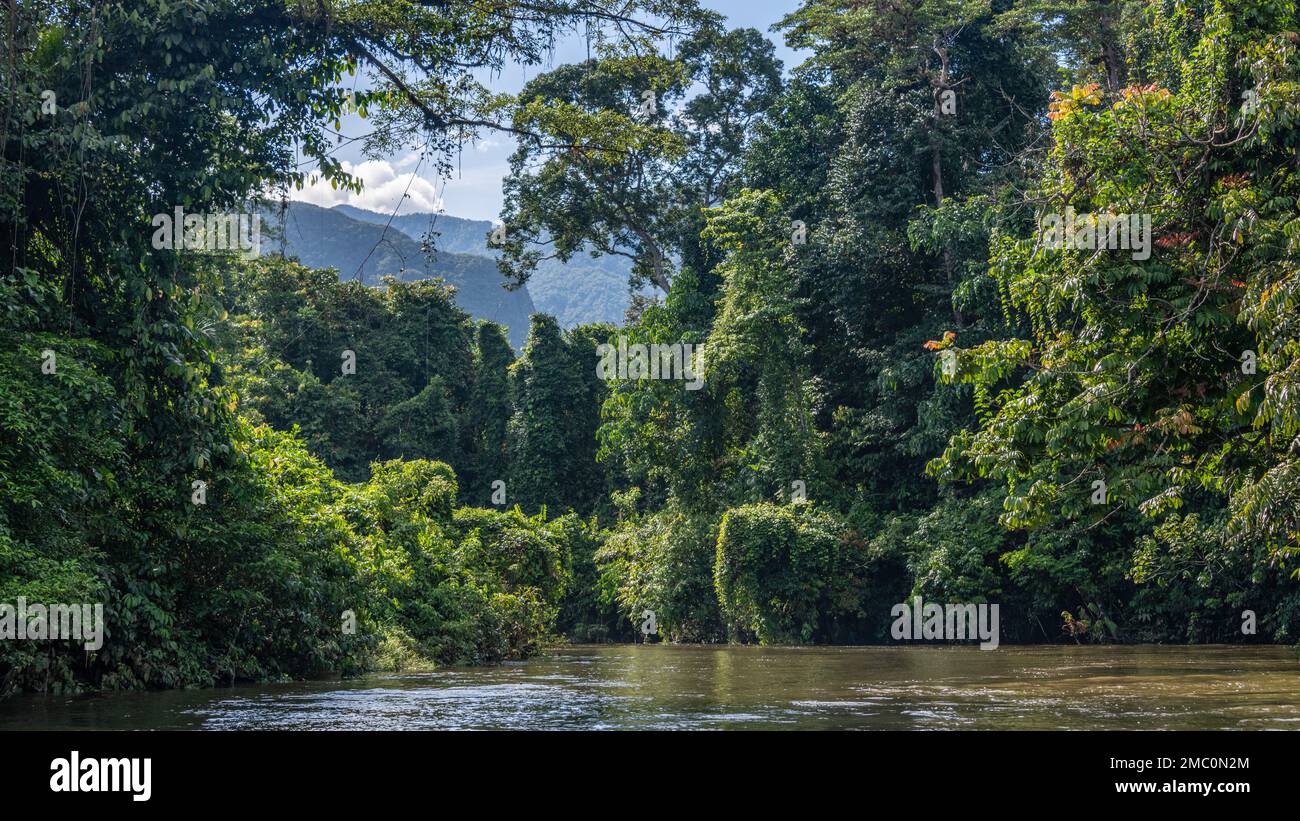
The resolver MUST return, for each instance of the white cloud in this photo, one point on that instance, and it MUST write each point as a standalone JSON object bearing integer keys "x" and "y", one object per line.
{"x": 382, "y": 190}
{"x": 408, "y": 161}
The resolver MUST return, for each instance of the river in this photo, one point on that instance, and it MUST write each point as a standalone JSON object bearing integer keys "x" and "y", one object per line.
{"x": 721, "y": 687}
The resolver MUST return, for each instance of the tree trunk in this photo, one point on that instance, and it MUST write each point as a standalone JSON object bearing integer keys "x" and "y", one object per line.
{"x": 936, "y": 166}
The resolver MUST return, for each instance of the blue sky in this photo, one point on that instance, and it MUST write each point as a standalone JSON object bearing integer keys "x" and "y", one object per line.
{"x": 475, "y": 191}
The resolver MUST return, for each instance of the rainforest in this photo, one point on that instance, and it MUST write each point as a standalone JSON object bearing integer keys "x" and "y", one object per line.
{"x": 908, "y": 394}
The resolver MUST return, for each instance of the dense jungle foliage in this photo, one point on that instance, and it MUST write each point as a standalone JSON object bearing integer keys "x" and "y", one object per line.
{"x": 263, "y": 471}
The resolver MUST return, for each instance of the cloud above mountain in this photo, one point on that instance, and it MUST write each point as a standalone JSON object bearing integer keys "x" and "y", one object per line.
{"x": 386, "y": 184}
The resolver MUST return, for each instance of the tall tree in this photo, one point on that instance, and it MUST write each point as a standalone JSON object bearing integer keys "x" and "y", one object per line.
{"x": 489, "y": 412}
{"x": 615, "y": 170}
{"x": 544, "y": 384}
{"x": 934, "y": 103}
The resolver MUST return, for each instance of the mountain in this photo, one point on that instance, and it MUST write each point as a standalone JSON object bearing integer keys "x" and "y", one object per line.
{"x": 584, "y": 289}
{"x": 356, "y": 248}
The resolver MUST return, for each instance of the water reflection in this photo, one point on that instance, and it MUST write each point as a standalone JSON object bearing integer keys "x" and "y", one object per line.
{"x": 668, "y": 687}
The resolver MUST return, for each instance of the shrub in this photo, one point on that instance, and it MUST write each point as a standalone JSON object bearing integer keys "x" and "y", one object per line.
{"x": 781, "y": 572}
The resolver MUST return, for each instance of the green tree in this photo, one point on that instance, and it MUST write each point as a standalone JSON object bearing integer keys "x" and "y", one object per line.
{"x": 613, "y": 169}
{"x": 544, "y": 384}
{"x": 489, "y": 411}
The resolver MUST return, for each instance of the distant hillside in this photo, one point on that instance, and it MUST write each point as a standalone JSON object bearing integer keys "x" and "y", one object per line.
{"x": 584, "y": 289}
{"x": 330, "y": 238}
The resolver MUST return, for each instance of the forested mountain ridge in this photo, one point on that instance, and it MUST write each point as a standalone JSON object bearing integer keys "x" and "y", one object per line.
{"x": 460, "y": 236}
{"x": 580, "y": 291}
{"x": 362, "y": 249}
